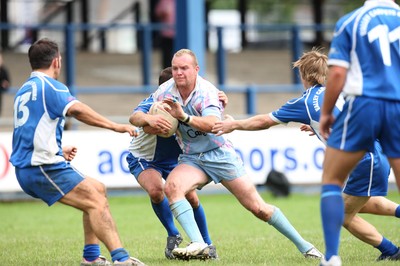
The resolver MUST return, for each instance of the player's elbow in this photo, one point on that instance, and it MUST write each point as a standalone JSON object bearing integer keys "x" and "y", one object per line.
{"x": 267, "y": 122}
{"x": 76, "y": 110}
{"x": 132, "y": 119}
{"x": 209, "y": 123}
{"x": 137, "y": 119}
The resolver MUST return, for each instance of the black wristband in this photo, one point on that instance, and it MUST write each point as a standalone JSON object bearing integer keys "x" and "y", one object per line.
{"x": 187, "y": 119}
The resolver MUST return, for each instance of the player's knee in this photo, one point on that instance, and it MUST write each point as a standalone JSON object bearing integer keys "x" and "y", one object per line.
{"x": 348, "y": 219}
{"x": 169, "y": 189}
{"x": 156, "y": 194}
{"x": 101, "y": 188}
{"x": 95, "y": 202}
{"x": 262, "y": 211}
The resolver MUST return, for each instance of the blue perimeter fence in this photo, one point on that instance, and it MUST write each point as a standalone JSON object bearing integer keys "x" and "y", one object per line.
{"x": 145, "y": 45}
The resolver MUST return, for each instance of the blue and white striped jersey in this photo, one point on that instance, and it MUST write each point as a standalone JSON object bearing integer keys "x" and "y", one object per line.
{"x": 305, "y": 109}
{"x": 40, "y": 106}
{"x": 367, "y": 42}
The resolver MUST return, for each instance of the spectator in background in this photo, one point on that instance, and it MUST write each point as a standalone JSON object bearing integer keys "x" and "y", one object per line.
{"x": 165, "y": 13}
{"x": 4, "y": 81}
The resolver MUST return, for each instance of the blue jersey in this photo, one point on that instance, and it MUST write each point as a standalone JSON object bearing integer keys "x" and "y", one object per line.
{"x": 152, "y": 148}
{"x": 203, "y": 101}
{"x": 367, "y": 42}
{"x": 370, "y": 177}
{"x": 40, "y": 106}
{"x": 305, "y": 109}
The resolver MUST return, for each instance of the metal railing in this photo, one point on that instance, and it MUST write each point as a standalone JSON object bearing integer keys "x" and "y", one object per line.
{"x": 144, "y": 35}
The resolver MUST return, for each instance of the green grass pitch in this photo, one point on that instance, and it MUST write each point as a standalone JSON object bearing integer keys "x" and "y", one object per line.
{"x": 34, "y": 234}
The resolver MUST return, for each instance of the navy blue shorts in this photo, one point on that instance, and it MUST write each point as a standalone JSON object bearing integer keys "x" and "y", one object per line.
{"x": 138, "y": 165}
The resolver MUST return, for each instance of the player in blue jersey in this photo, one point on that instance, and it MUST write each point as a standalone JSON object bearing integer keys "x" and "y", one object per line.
{"x": 207, "y": 157}
{"x": 151, "y": 159}
{"x": 306, "y": 109}
{"x": 41, "y": 164}
{"x": 364, "y": 63}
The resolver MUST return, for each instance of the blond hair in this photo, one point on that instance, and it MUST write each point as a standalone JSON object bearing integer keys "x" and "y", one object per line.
{"x": 313, "y": 66}
{"x": 188, "y": 52}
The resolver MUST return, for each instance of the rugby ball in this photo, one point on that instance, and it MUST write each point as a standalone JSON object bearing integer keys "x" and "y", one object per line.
{"x": 158, "y": 108}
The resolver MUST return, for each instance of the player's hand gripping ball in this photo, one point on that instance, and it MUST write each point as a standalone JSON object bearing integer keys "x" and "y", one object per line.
{"x": 158, "y": 108}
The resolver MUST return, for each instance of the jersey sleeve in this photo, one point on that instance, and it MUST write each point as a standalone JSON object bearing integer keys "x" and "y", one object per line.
{"x": 210, "y": 103}
{"x": 57, "y": 99}
{"x": 339, "y": 53}
{"x": 293, "y": 111}
{"x": 145, "y": 105}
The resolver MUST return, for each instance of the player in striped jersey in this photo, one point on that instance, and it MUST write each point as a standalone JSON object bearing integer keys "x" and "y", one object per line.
{"x": 206, "y": 157}
{"x": 151, "y": 158}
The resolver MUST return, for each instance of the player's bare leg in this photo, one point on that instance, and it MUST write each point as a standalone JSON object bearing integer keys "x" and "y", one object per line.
{"x": 395, "y": 164}
{"x": 365, "y": 231}
{"x": 355, "y": 224}
{"x": 89, "y": 236}
{"x": 380, "y": 206}
{"x": 87, "y": 198}
{"x": 151, "y": 181}
{"x": 249, "y": 197}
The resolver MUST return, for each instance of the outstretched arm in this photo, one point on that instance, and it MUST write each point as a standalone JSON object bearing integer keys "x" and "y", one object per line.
{"x": 258, "y": 122}
{"x": 203, "y": 123}
{"x": 87, "y": 115}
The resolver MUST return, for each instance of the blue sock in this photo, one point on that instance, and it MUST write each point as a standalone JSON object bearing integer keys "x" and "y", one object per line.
{"x": 332, "y": 214}
{"x": 91, "y": 252}
{"x": 165, "y": 216}
{"x": 282, "y": 224}
{"x": 387, "y": 248}
{"x": 201, "y": 221}
{"x": 397, "y": 213}
{"x": 119, "y": 254}
{"x": 183, "y": 212}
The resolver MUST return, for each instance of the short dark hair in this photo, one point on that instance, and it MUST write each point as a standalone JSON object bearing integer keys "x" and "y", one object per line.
{"x": 42, "y": 53}
{"x": 165, "y": 75}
